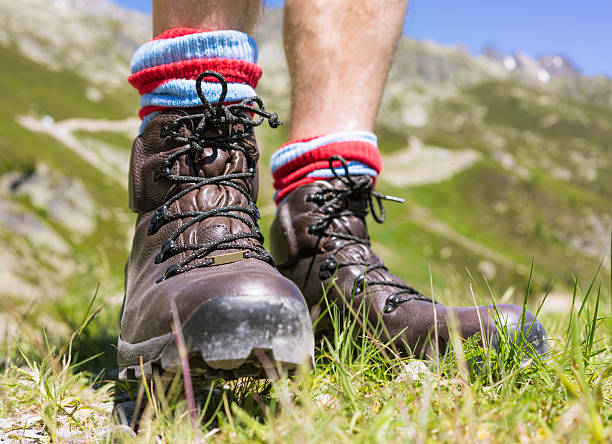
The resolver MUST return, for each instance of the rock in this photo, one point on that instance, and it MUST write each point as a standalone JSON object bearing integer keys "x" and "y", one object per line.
{"x": 14, "y": 218}
{"x": 65, "y": 200}
{"x": 488, "y": 269}
{"x": 415, "y": 372}
{"x": 45, "y": 32}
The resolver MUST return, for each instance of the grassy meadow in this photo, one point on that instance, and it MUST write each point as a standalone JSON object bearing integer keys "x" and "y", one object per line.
{"x": 539, "y": 193}
{"x": 358, "y": 391}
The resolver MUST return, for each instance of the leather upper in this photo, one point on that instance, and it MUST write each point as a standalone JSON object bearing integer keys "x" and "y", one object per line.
{"x": 146, "y": 312}
{"x": 301, "y": 254}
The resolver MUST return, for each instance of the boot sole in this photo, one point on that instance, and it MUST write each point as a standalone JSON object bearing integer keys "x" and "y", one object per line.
{"x": 224, "y": 338}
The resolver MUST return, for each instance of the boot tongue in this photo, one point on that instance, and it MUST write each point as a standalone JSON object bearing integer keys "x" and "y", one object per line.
{"x": 214, "y": 162}
{"x": 357, "y": 204}
{"x": 211, "y": 232}
{"x": 350, "y": 225}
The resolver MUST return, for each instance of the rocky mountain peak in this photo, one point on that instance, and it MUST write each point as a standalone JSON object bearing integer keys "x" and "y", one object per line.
{"x": 542, "y": 69}
{"x": 558, "y": 65}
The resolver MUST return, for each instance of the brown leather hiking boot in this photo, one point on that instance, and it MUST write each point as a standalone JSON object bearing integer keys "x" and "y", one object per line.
{"x": 193, "y": 184}
{"x": 319, "y": 236}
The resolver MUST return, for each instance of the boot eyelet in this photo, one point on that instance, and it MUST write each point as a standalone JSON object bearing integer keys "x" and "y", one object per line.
{"x": 255, "y": 211}
{"x": 389, "y": 308}
{"x": 328, "y": 267}
{"x": 332, "y": 264}
{"x": 158, "y": 174}
{"x": 166, "y": 251}
{"x": 313, "y": 229}
{"x": 324, "y": 272}
{"x": 157, "y": 220}
{"x": 359, "y": 284}
{"x": 171, "y": 271}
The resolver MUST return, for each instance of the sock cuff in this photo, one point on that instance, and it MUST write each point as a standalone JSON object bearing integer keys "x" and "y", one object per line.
{"x": 234, "y": 71}
{"x": 181, "y": 93}
{"x": 178, "y": 32}
{"x": 297, "y": 148}
{"x": 305, "y": 161}
{"x": 164, "y": 70}
{"x": 201, "y": 45}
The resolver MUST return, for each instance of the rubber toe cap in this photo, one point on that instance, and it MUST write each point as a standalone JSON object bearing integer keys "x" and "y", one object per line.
{"x": 533, "y": 331}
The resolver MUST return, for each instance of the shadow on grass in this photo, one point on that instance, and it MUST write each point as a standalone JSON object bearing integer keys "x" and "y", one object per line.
{"x": 93, "y": 343}
{"x": 349, "y": 359}
{"x": 163, "y": 400}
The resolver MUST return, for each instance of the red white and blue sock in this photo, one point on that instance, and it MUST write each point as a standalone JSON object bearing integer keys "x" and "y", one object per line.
{"x": 164, "y": 69}
{"x": 307, "y": 160}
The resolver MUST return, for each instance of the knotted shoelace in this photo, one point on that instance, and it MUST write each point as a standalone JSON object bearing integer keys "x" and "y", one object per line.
{"x": 220, "y": 116}
{"x": 335, "y": 203}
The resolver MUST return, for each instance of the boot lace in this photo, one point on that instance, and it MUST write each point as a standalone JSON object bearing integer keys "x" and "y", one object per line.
{"x": 335, "y": 203}
{"x": 218, "y": 116}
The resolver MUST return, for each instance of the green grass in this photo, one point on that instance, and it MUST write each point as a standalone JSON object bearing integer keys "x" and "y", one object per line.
{"x": 55, "y": 386}
{"x": 541, "y": 205}
{"x": 32, "y": 89}
{"x": 358, "y": 391}
{"x": 118, "y": 141}
{"x": 530, "y": 205}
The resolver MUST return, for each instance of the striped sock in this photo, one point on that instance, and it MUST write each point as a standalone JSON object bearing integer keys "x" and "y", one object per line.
{"x": 307, "y": 160}
{"x": 164, "y": 69}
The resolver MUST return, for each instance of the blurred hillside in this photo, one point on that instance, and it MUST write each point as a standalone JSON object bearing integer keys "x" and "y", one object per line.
{"x": 501, "y": 158}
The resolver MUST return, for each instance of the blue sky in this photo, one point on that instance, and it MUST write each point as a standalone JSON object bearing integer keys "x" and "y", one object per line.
{"x": 581, "y": 31}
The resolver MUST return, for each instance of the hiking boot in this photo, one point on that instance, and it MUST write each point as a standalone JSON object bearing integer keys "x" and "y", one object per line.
{"x": 197, "y": 244}
{"x": 319, "y": 240}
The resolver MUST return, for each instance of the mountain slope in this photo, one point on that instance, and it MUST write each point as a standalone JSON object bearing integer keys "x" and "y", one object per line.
{"x": 497, "y": 166}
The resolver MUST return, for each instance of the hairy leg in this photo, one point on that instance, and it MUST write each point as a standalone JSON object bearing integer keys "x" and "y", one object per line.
{"x": 339, "y": 55}
{"x": 208, "y": 15}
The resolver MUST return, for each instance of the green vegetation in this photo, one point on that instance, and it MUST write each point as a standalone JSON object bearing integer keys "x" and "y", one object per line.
{"x": 540, "y": 191}
{"x": 359, "y": 390}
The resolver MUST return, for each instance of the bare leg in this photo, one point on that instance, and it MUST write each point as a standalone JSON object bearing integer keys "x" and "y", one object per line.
{"x": 339, "y": 53}
{"x": 208, "y": 15}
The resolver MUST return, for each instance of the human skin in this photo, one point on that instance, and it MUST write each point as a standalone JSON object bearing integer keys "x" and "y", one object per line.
{"x": 339, "y": 53}
{"x": 208, "y": 15}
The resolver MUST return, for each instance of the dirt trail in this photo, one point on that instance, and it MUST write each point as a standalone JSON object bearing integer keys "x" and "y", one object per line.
{"x": 420, "y": 164}
{"x": 109, "y": 161}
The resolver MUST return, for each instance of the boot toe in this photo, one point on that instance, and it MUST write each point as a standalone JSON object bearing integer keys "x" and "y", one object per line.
{"x": 226, "y": 319}
{"x": 512, "y": 321}
{"x": 253, "y": 285}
